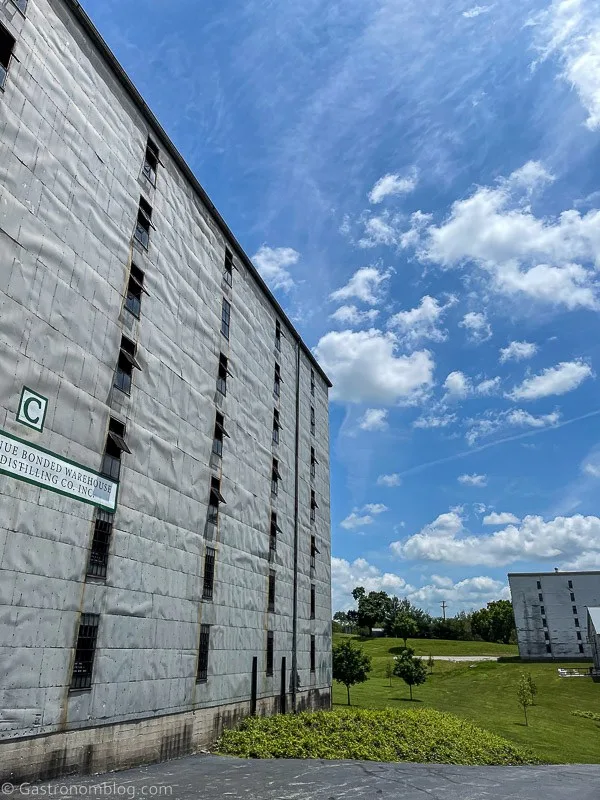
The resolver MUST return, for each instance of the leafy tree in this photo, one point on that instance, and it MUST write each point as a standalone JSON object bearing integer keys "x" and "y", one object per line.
{"x": 410, "y": 669}
{"x": 350, "y": 665}
{"x": 430, "y": 663}
{"x": 495, "y": 623}
{"x": 524, "y": 695}
{"x": 389, "y": 671}
{"x": 372, "y": 608}
{"x": 532, "y": 688}
{"x": 404, "y": 626}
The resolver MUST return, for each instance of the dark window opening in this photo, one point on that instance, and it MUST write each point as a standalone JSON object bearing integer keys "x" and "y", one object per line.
{"x": 313, "y": 552}
{"x": 278, "y": 335}
{"x": 219, "y": 434}
{"x": 313, "y": 505}
{"x": 85, "y": 650}
{"x": 225, "y": 318}
{"x": 276, "y": 426}
{"x": 222, "y": 376}
{"x": 313, "y": 462}
{"x": 275, "y": 477}
{"x": 7, "y": 45}
{"x": 581, "y": 648}
{"x": 572, "y": 597}
{"x": 151, "y": 162}
{"x": 313, "y": 600}
{"x": 542, "y": 610}
{"x": 548, "y": 648}
{"x": 270, "y": 647}
{"x": 135, "y": 289}
{"x": 216, "y": 498}
{"x": 576, "y": 622}
{"x": 115, "y": 446}
{"x": 228, "y": 268}
{"x": 546, "y": 636}
{"x": 570, "y": 584}
{"x": 312, "y": 420}
{"x": 271, "y": 591}
{"x": 579, "y": 635}
{"x": 277, "y": 381}
{"x": 539, "y": 584}
{"x": 144, "y": 223}
{"x": 98, "y": 560}
{"x": 540, "y": 597}
{"x": 544, "y": 622}
{"x": 209, "y": 573}
{"x": 313, "y": 654}
{"x": 312, "y": 383}
{"x": 275, "y": 529}
{"x": 202, "y": 672}
{"x": 126, "y": 363}
{"x": 574, "y": 609}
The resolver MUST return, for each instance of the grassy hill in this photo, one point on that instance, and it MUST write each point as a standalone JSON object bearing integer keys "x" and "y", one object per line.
{"x": 437, "y": 647}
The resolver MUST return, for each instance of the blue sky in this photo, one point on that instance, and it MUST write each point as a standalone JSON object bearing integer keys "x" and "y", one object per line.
{"x": 419, "y": 185}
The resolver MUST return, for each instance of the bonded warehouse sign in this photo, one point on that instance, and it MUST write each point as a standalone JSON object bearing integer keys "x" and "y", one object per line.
{"x": 32, "y": 464}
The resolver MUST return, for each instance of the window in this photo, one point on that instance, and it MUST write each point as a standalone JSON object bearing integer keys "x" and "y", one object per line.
{"x": 277, "y": 381}
{"x": 225, "y": 318}
{"x": 548, "y": 648}
{"x": 277, "y": 335}
{"x": 270, "y": 645}
{"x": 581, "y": 648}
{"x": 313, "y": 462}
{"x": 313, "y": 600}
{"x": 151, "y": 162}
{"x": 572, "y": 597}
{"x": 85, "y": 650}
{"x": 312, "y": 383}
{"x": 275, "y": 477}
{"x": 313, "y": 505}
{"x": 542, "y": 610}
{"x": 223, "y": 373}
{"x": 126, "y": 363}
{"x": 313, "y": 552}
{"x": 276, "y": 426}
{"x": 7, "y": 45}
{"x": 574, "y": 609}
{"x": 144, "y": 223}
{"x": 271, "y": 591}
{"x": 579, "y": 635}
{"x": 100, "y": 545}
{"x": 219, "y": 434}
{"x": 216, "y": 498}
{"x": 135, "y": 288}
{"x": 546, "y": 636}
{"x": 228, "y": 268}
{"x": 275, "y": 529}
{"x": 540, "y": 597}
{"x": 570, "y": 584}
{"x": 544, "y": 622}
{"x": 312, "y": 420}
{"x": 313, "y": 654}
{"x": 202, "y": 672}
{"x": 576, "y": 622}
{"x": 115, "y": 445}
{"x": 539, "y": 584}
{"x": 209, "y": 573}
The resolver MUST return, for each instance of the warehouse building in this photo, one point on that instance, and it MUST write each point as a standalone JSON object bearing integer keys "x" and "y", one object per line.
{"x": 164, "y": 443}
{"x": 551, "y": 613}
{"x": 593, "y": 625}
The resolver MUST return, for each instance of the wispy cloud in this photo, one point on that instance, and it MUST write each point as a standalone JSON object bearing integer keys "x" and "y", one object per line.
{"x": 392, "y": 184}
{"x": 273, "y": 264}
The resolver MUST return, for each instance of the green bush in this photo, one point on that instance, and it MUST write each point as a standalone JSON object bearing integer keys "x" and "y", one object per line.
{"x": 421, "y": 735}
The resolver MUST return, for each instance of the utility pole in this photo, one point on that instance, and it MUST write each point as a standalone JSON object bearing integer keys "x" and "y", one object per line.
{"x": 443, "y": 604}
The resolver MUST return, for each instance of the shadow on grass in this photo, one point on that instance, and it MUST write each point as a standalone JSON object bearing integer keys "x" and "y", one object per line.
{"x": 406, "y": 700}
{"x": 508, "y": 659}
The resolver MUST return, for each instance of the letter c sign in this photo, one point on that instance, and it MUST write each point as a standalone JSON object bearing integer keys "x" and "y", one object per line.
{"x": 32, "y": 409}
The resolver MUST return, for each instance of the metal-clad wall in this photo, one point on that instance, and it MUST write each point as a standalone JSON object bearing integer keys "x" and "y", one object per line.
{"x": 72, "y": 146}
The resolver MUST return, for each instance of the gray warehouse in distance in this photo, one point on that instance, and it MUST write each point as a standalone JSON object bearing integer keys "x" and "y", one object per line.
{"x": 164, "y": 437}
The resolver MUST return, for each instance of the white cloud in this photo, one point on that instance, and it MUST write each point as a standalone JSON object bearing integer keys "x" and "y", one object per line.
{"x": 477, "y": 326}
{"x": 524, "y": 419}
{"x": 380, "y": 230}
{"x": 389, "y": 480}
{"x": 476, "y": 11}
{"x": 518, "y": 351}
{"x": 350, "y": 315}
{"x": 473, "y": 480}
{"x": 457, "y": 385}
{"x": 355, "y": 520}
{"x": 488, "y": 386}
{"x": 491, "y": 422}
{"x": 418, "y": 225}
{"x": 365, "y": 367}
{"x": 441, "y": 420}
{"x": 374, "y": 419}
{"x": 502, "y": 518}
{"x": 564, "y": 540}
{"x": 375, "y": 508}
{"x": 421, "y": 322}
{"x": 593, "y": 470}
{"x": 367, "y": 284}
{"x": 272, "y": 263}
{"x": 346, "y": 576}
{"x": 392, "y": 184}
{"x": 563, "y": 378}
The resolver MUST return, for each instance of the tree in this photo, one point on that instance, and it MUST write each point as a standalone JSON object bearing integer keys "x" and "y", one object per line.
{"x": 410, "y": 669}
{"x": 404, "y": 626}
{"x": 389, "y": 671}
{"x": 532, "y": 688}
{"x": 350, "y": 665}
{"x": 430, "y": 663}
{"x": 524, "y": 695}
{"x": 495, "y": 623}
{"x": 372, "y": 608}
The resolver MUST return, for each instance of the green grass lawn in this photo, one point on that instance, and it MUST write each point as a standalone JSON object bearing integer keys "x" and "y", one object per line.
{"x": 486, "y": 694}
{"x": 437, "y": 647}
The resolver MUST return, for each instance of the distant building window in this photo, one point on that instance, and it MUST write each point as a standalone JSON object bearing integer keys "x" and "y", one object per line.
{"x": 575, "y": 609}
{"x": 98, "y": 560}
{"x": 546, "y": 636}
{"x": 278, "y": 335}
{"x": 144, "y": 223}
{"x": 115, "y": 446}
{"x": 228, "y": 268}
{"x": 313, "y": 654}
{"x": 539, "y": 584}
{"x": 579, "y": 635}
{"x": 576, "y": 622}
{"x": 202, "y": 671}
{"x": 313, "y": 505}
{"x": 540, "y": 597}
{"x": 313, "y": 463}
{"x": 215, "y": 500}
{"x": 271, "y": 590}
{"x": 7, "y": 45}
{"x": 312, "y": 421}
{"x": 225, "y": 318}
{"x": 570, "y": 584}
{"x": 275, "y": 529}
{"x": 151, "y": 161}
{"x": 312, "y": 383}
{"x": 581, "y": 648}
{"x": 85, "y": 650}
{"x": 135, "y": 289}
{"x": 270, "y": 647}
{"x": 209, "y": 573}
{"x": 126, "y": 363}
{"x": 223, "y": 374}
{"x": 276, "y": 426}
{"x": 313, "y": 552}
{"x": 313, "y": 600}
{"x": 219, "y": 434}
{"x": 548, "y": 648}
{"x": 572, "y": 597}
{"x": 277, "y": 381}
{"x": 542, "y": 610}
{"x": 275, "y": 477}
{"x": 544, "y": 622}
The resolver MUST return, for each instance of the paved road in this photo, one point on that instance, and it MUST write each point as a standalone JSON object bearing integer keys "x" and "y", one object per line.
{"x": 463, "y": 658}
{"x": 219, "y": 778}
